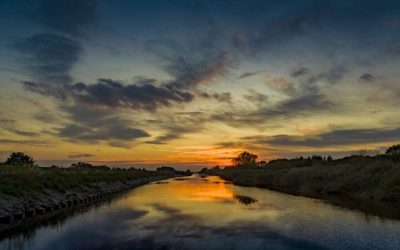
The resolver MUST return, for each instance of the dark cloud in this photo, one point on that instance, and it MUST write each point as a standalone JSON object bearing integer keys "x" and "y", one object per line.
{"x": 193, "y": 63}
{"x": 80, "y": 155}
{"x": 287, "y": 25}
{"x": 91, "y": 125}
{"x": 49, "y": 57}
{"x": 109, "y": 93}
{"x": 220, "y": 97}
{"x": 299, "y": 72}
{"x": 187, "y": 70}
{"x": 58, "y": 92}
{"x": 367, "y": 77}
{"x": 248, "y": 74}
{"x": 332, "y": 76}
{"x": 116, "y": 132}
{"x": 308, "y": 104}
{"x": 5, "y": 120}
{"x": 22, "y": 133}
{"x": 136, "y": 96}
{"x": 332, "y": 138}
{"x": 256, "y": 98}
{"x": 25, "y": 142}
{"x": 230, "y": 144}
{"x": 174, "y": 132}
{"x": 46, "y": 116}
{"x": 189, "y": 73}
{"x": 67, "y": 16}
{"x": 269, "y": 114}
{"x": 179, "y": 125}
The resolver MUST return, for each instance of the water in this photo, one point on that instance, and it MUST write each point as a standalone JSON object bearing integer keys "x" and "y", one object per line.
{"x": 208, "y": 213}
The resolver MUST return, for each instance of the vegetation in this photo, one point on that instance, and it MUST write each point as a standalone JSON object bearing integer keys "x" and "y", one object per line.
{"x": 19, "y": 179}
{"x": 394, "y": 150}
{"x": 362, "y": 177}
{"x": 20, "y": 159}
{"x": 245, "y": 159}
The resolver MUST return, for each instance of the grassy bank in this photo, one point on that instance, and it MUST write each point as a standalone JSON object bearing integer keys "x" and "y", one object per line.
{"x": 28, "y": 181}
{"x": 359, "y": 177}
{"x": 30, "y": 194}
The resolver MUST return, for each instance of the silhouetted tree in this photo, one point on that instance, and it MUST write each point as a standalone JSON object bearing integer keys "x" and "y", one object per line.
{"x": 262, "y": 164}
{"x": 245, "y": 159}
{"x": 166, "y": 169}
{"x": 329, "y": 158}
{"x": 317, "y": 158}
{"x": 81, "y": 165}
{"x": 20, "y": 159}
{"x": 393, "y": 150}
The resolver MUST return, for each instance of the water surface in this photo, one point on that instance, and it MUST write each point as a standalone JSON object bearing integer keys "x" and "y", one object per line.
{"x": 208, "y": 213}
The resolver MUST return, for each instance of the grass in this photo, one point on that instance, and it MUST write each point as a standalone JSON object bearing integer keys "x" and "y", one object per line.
{"x": 366, "y": 178}
{"x": 22, "y": 181}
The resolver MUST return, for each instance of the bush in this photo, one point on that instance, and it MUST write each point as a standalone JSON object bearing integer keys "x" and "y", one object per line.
{"x": 245, "y": 159}
{"x": 393, "y": 150}
{"x": 20, "y": 159}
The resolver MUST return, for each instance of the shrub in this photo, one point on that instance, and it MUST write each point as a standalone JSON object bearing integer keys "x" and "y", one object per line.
{"x": 20, "y": 159}
{"x": 393, "y": 150}
{"x": 81, "y": 165}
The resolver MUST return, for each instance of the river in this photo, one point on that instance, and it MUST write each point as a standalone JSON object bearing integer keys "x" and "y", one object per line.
{"x": 209, "y": 213}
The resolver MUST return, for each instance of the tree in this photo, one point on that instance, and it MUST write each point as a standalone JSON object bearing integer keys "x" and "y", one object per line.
{"x": 262, "y": 164}
{"x": 245, "y": 159}
{"x": 393, "y": 150}
{"x": 317, "y": 158}
{"x": 20, "y": 159}
{"x": 81, "y": 165}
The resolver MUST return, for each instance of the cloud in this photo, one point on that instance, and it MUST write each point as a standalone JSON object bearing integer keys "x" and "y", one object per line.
{"x": 332, "y": 76}
{"x": 299, "y": 72}
{"x": 58, "y": 92}
{"x": 257, "y": 98}
{"x": 283, "y": 27}
{"x": 26, "y": 142}
{"x": 22, "y": 133}
{"x": 117, "y": 132}
{"x": 80, "y": 155}
{"x": 143, "y": 96}
{"x": 5, "y": 120}
{"x": 220, "y": 97}
{"x": 49, "y": 57}
{"x": 332, "y": 138}
{"x": 188, "y": 72}
{"x": 179, "y": 125}
{"x": 191, "y": 64}
{"x": 280, "y": 84}
{"x": 92, "y": 125}
{"x": 367, "y": 77}
{"x": 307, "y": 104}
{"x": 67, "y": 16}
{"x": 248, "y": 74}
{"x": 267, "y": 114}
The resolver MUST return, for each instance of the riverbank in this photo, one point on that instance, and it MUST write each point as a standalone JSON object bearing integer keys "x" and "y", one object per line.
{"x": 358, "y": 177}
{"x": 34, "y": 193}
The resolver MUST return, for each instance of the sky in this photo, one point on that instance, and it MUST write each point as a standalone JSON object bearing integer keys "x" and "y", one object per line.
{"x": 193, "y": 83}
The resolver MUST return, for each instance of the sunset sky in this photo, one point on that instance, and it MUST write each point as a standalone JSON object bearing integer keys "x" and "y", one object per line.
{"x": 192, "y": 83}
